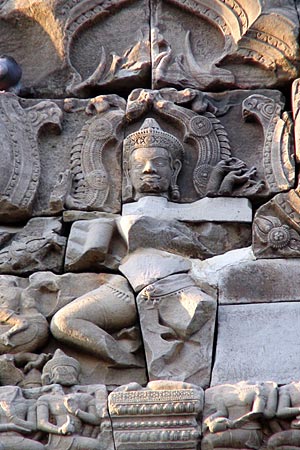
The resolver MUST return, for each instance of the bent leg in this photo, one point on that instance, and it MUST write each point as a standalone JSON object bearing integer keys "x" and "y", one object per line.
{"x": 85, "y": 323}
{"x": 289, "y": 439}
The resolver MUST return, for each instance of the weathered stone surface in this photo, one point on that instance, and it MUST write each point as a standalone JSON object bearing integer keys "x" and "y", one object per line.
{"x": 72, "y": 60}
{"x": 95, "y": 157}
{"x": 169, "y": 408}
{"x": 287, "y": 411}
{"x": 168, "y": 235}
{"x": 24, "y": 419}
{"x": 260, "y": 281}
{"x": 235, "y": 415}
{"x": 276, "y": 227}
{"x": 192, "y": 138}
{"x": 80, "y": 168}
{"x": 94, "y": 245}
{"x": 224, "y": 237}
{"x": 196, "y": 240}
{"x": 71, "y": 413}
{"x": 23, "y": 328}
{"x": 204, "y": 210}
{"x": 55, "y": 291}
{"x": 209, "y": 46}
{"x": 91, "y": 324}
{"x": 201, "y": 133}
{"x": 21, "y": 165}
{"x": 38, "y": 246}
{"x": 73, "y": 215}
{"x": 257, "y": 343}
{"x": 146, "y": 266}
{"x": 177, "y": 321}
{"x": 296, "y": 108}
{"x": 207, "y": 273}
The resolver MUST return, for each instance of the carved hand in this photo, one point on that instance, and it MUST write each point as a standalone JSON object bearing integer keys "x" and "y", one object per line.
{"x": 4, "y": 339}
{"x": 67, "y": 428}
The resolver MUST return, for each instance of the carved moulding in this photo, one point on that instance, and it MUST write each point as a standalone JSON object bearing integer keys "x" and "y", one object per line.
{"x": 96, "y": 57}
{"x": 222, "y": 43}
{"x": 164, "y": 414}
{"x": 20, "y": 168}
{"x": 278, "y": 154}
{"x": 95, "y": 157}
{"x": 276, "y": 227}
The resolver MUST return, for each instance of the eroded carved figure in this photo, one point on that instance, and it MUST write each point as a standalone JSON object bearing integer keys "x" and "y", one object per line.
{"x": 69, "y": 416}
{"x": 289, "y": 410}
{"x": 18, "y": 417}
{"x": 237, "y": 415}
{"x": 22, "y": 326}
{"x": 89, "y": 321}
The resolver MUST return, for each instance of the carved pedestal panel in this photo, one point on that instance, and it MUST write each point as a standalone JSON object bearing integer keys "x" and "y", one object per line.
{"x": 163, "y": 412}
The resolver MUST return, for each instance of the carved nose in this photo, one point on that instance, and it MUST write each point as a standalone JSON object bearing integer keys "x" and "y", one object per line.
{"x": 149, "y": 167}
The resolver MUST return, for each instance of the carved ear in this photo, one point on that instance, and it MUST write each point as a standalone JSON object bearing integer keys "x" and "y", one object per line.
{"x": 45, "y": 379}
{"x": 177, "y": 165}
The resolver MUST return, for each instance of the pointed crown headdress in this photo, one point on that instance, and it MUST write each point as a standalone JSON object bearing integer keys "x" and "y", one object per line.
{"x": 61, "y": 359}
{"x": 151, "y": 135}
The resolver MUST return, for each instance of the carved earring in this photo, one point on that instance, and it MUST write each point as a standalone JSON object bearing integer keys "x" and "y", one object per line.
{"x": 175, "y": 193}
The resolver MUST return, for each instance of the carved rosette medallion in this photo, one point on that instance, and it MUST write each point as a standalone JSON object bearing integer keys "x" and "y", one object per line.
{"x": 276, "y": 227}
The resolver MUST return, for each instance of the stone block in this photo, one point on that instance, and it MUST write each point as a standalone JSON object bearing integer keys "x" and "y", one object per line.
{"x": 257, "y": 343}
{"x": 203, "y": 210}
{"x": 177, "y": 321}
{"x": 38, "y": 246}
{"x": 146, "y": 266}
{"x": 94, "y": 245}
{"x": 261, "y": 281}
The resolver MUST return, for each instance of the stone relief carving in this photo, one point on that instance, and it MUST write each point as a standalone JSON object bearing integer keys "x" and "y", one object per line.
{"x": 206, "y": 46}
{"x": 163, "y": 411}
{"x": 295, "y": 109}
{"x": 23, "y": 327}
{"x": 20, "y": 173}
{"x": 18, "y": 417}
{"x": 97, "y": 315}
{"x": 37, "y": 246}
{"x": 288, "y": 414}
{"x": 234, "y": 415}
{"x": 202, "y": 143}
{"x": 183, "y": 153}
{"x": 276, "y": 227}
{"x": 116, "y": 63}
{"x": 97, "y": 146}
{"x": 278, "y": 157}
{"x": 177, "y": 322}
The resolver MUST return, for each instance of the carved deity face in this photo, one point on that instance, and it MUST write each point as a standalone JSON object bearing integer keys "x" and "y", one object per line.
{"x": 64, "y": 375}
{"x": 151, "y": 171}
